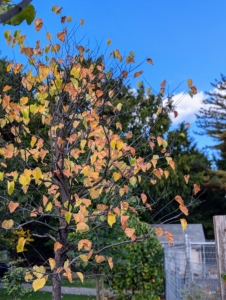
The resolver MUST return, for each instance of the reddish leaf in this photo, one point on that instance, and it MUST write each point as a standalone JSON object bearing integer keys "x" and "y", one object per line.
{"x": 149, "y": 60}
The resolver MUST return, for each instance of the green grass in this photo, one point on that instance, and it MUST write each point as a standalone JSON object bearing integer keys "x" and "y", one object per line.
{"x": 46, "y": 296}
{"x": 89, "y": 282}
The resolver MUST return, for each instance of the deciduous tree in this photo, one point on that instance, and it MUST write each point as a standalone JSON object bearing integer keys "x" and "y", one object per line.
{"x": 77, "y": 167}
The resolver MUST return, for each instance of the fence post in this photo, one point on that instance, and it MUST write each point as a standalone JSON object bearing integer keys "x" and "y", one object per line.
{"x": 220, "y": 239}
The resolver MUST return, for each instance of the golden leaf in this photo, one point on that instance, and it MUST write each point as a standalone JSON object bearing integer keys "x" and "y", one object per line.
{"x": 111, "y": 218}
{"x": 39, "y": 272}
{"x": 28, "y": 276}
{"x": 7, "y": 224}
{"x": 109, "y": 42}
{"x": 116, "y": 176}
{"x": 49, "y": 207}
{"x": 20, "y": 244}
{"x": 10, "y": 187}
{"x": 133, "y": 180}
{"x": 57, "y": 246}
{"x": 81, "y": 276}
{"x": 189, "y": 82}
{"x": 83, "y": 257}
{"x": 84, "y": 243}
{"x": 37, "y": 284}
{"x": 52, "y": 263}
{"x": 183, "y": 224}
{"x": 13, "y": 206}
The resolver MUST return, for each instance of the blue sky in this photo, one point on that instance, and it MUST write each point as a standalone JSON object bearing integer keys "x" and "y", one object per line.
{"x": 185, "y": 39}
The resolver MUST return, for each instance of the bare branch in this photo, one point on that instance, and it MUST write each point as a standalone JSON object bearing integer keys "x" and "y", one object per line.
{"x": 14, "y": 11}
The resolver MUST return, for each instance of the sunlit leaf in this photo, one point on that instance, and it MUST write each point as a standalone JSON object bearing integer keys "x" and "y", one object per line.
{"x": 13, "y": 206}
{"x": 52, "y": 263}
{"x": 20, "y": 245}
{"x": 10, "y": 187}
{"x": 189, "y": 82}
{"x": 37, "y": 284}
{"x": 38, "y": 24}
{"x": 183, "y": 224}
{"x": 80, "y": 276}
{"x": 57, "y": 246}
{"x": 111, "y": 218}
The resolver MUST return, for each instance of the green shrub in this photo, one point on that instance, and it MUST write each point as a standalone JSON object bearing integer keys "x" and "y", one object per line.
{"x": 138, "y": 271}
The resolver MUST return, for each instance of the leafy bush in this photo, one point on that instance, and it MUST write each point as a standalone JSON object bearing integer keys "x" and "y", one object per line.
{"x": 138, "y": 271}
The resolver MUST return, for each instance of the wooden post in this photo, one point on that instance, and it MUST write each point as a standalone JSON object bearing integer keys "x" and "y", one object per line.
{"x": 220, "y": 240}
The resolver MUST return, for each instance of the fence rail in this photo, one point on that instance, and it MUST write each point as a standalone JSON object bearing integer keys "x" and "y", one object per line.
{"x": 191, "y": 271}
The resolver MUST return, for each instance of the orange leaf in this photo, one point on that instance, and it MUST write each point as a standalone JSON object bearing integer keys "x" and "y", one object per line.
{"x": 184, "y": 209}
{"x": 38, "y": 24}
{"x": 6, "y": 88}
{"x": 159, "y": 140}
{"x": 196, "y": 189}
{"x": 61, "y": 36}
{"x": 163, "y": 83}
{"x": 143, "y": 197}
{"x": 110, "y": 262}
{"x": 99, "y": 258}
{"x": 129, "y": 232}
{"x": 149, "y": 60}
{"x": 6, "y": 224}
{"x": 169, "y": 237}
{"x": 137, "y": 74}
{"x": 57, "y": 246}
{"x": 124, "y": 74}
{"x": 179, "y": 200}
{"x": 99, "y": 93}
{"x": 194, "y": 90}
{"x": 13, "y": 206}
{"x": 158, "y": 231}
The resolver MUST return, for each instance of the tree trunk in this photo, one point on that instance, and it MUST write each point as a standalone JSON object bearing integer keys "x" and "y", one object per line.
{"x": 56, "y": 291}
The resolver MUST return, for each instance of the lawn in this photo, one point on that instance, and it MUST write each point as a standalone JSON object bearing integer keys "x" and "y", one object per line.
{"x": 89, "y": 282}
{"x": 46, "y": 296}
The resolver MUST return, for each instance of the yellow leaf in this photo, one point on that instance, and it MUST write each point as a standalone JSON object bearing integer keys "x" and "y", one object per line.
{"x": 82, "y": 144}
{"x": 28, "y": 276}
{"x": 39, "y": 272}
{"x": 37, "y": 284}
{"x": 116, "y": 176}
{"x": 33, "y": 141}
{"x": 111, "y": 219}
{"x": 183, "y": 224}
{"x": 189, "y": 81}
{"x": 119, "y": 106}
{"x": 6, "y": 224}
{"x": 57, "y": 246}
{"x": 52, "y": 263}
{"x": 13, "y": 206}
{"x": 133, "y": 180}
{"x": 20, "y": 244}
{"x": 49, "y": 207}
{"x": 68, "y": 216}
{"x": 66, "y": 263}
{"x": 1, "y": 176}
{"x": 10, "y": 187}
{"x": 84, "y": 257}
{"x": 81, "y": 276}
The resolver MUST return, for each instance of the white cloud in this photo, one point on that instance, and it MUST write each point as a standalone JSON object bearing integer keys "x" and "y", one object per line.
{"x": 187, "y": 107}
